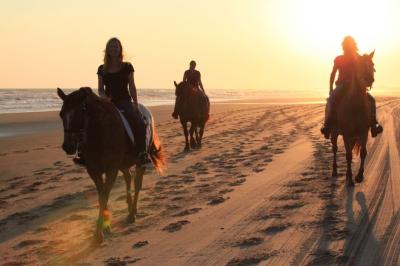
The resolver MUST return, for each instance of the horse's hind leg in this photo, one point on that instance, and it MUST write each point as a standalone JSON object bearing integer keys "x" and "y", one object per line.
{"x": 363, "y": 153}
{"x": 349, "y": 158}
{"x": 196, "y": 132}
{"x": 193, "y": 143}
{"x": 201, "y": 132}
{"x": 185, "y": 131}
{"x": 334, "y": 138}
{"x": 128, "y": 181}
{"x": 138, "y": 186}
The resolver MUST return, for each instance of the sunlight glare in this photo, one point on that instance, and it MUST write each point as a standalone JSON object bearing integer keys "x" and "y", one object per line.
{"x": 319, "y": 26}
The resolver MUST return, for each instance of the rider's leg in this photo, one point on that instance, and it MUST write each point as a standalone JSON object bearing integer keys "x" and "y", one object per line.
{"x": 326, "y": 129}
{"x": 375, "y": 127}
{"x": 330, "y": 110}
{"x": 138, "y": 127}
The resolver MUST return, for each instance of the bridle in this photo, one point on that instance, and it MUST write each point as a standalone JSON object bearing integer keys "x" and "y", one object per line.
{"x": 79, "y": 131}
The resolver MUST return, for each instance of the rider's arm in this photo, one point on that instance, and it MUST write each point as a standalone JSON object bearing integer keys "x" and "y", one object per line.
{"x": 184, "y": 76}
{"x": 201, "y": 84}
{"x": 100, "y": 87}
{"x": 132, "y": 88}
{"x": 332, "y": 78}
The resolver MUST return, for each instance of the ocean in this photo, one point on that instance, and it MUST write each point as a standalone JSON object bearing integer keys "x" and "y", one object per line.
{"x": 37, "y": 100}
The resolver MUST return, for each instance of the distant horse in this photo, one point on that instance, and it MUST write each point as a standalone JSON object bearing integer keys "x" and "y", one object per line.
{"x": 353, "y": 117}
{"x": 193, "y": 109}
{"x": 106, "y": 147}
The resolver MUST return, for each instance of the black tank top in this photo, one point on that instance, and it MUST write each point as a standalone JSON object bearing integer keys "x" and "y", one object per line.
{"x": 193, "y": 77}
{"x": 117, "y": 83}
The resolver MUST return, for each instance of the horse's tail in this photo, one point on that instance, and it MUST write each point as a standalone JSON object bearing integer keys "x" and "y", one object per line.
{"x": 357, "y": 147}
{"x": 157, "y": 154}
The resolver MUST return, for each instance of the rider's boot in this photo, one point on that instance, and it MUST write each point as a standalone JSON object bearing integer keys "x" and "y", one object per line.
{"x": 144, "y": 158}
{"x": 376, "y": 128}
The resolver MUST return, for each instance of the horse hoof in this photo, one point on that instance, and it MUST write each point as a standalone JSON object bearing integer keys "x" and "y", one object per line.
{"x": 131, "y": 219}
{"x": 359, "y": 178}
{"x": 98, "y": 238}
{"x": 187, "y": 149}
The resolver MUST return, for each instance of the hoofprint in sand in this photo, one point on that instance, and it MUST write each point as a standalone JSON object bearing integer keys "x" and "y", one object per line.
{"x": 259, "y": 191}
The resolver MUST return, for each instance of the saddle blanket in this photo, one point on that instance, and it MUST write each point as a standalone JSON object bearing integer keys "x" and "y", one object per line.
{"x": 148, "y": 120}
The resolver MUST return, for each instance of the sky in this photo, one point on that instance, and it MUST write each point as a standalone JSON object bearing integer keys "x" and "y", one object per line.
{"x": 238, "y": 44}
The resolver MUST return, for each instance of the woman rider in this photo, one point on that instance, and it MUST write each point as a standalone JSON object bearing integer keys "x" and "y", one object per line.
{"x": 345, "y": 64}
{"x": 116, "y": 83}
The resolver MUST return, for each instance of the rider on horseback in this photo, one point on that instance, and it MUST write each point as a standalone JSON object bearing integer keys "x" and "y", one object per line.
{"x": 114, "y": 78}
{"x": 193, "y": 78}
{"x": 346, "y": 65}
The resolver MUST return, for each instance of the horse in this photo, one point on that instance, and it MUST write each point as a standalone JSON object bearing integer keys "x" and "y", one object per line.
{"x": 353, "y": 118}
{"x": 94, "y": 124}
{"x": 192, "y": 110}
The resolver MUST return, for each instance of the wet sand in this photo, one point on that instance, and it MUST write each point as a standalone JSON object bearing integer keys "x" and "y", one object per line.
{"x": 260, "y": 191}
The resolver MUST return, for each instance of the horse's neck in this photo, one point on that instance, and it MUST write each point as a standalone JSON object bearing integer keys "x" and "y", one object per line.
{"x": 101, "y": 115}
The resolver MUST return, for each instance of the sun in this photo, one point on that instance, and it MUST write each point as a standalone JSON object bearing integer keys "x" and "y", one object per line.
{"x": 319, "y": 26}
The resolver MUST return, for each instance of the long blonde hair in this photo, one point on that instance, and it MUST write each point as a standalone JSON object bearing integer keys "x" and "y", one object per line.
{"x": 107, "y": 57}
{"x": 349, "y": 45}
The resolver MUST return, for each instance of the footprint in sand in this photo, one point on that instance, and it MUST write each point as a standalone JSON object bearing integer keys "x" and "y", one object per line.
{"x": 274, "y": 229}
{"x": 115, "y": 261}
{"x": 248, "y": 242}
{"x": 217, "y": 200}
{"x": 140, "y": 244}
{"x": 173, "y": 227}
{"x": 250, "y": 259}
{"x": 187, "y": 212}
{"x": 27, "y": 243}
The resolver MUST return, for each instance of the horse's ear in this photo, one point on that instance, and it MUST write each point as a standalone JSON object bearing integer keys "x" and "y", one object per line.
{"x": 176, "y": 84}
{"x": 371, "y": 55}
{"x": 61, "y": 94}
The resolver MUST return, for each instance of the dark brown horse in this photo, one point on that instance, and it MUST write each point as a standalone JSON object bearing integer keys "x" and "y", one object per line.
{"x": 194, "y": 109}
{"x": 95, "y": 124}
{"x": 353, "y": 118}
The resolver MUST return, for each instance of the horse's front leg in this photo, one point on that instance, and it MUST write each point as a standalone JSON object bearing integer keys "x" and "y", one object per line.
{"x": 128, "y": 181}
{"x": 138, "y": 186}
{"x": 185, "y": 131}
{"x": 334, "y": 138}
{"x": 98, "y": 181}
{"x": 349, "y": 157}
{"x": 110, "y": 180}
{"x": 363, "y": 153}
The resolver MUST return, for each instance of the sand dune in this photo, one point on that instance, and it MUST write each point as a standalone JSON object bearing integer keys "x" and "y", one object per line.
{"x": 260, "y": 191}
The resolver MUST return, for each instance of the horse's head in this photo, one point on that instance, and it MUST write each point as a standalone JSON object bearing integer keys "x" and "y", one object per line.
{"x": 180, "y": 87}
{"x": 72, "y": 114}
{"x": 366, "y": 70}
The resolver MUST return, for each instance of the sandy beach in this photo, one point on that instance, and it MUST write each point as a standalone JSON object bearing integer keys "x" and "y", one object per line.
{"x": 260, "y": 191}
